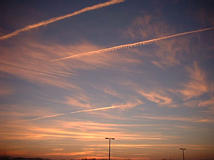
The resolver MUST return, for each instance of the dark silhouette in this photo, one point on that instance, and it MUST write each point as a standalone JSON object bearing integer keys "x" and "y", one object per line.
{"x": 183, "y": 149}
{"x": 109, "y": 147}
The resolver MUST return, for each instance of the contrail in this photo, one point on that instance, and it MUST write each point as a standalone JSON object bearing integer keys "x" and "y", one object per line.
{"x": 52, "y": 20}
{"x": 87, "y": 110}
{"x": 129, "y": 45}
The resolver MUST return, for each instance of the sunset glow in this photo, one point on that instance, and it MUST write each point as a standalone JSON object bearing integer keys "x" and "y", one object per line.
{"x": 75, "y": 72}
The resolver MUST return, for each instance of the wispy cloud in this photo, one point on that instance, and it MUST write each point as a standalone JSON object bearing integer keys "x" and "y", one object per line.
{"x": 156, "y": 97}
{"x": 209, "y": 102}
{"x": 164, "y": 53}
{"x": 78, "y": 130}
{"x": 174, "y": 118}
{"x": 83, "y": 153}
{"x": 55, "y": 19}
{"x": 31, "y": 61}
{"x": 79, "y": 101}
{"x": 121, "y": 106}
{"x": 130, "y": 45}
{"x": 197, "y": 84}
{"x": 156, "y": 145}
{"x": 6, "y": 90}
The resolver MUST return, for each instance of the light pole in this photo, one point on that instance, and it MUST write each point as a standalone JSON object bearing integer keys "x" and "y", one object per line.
{"x": 183, "y": 149}
{"x": 109, "y": 146}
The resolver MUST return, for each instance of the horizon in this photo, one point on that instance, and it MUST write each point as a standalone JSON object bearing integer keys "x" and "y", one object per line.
{"x": 75, "y": 72}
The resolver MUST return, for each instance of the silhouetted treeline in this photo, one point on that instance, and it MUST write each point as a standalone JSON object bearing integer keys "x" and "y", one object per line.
{"x": 19, "y": 158}
{"x": 92, "y": 159}
{"x": 22, "y": 158}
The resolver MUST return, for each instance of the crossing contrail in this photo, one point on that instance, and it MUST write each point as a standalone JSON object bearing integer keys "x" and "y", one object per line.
{"x": 130, "y": 45}
{"x": 89, "y": 110}
{"x": 52, "y": 20}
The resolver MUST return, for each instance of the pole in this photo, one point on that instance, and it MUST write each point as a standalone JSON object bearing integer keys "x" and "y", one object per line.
{"x": 183, "y": 154}
{"x": 183, "y": 149}
{"x": 109, "y": 147}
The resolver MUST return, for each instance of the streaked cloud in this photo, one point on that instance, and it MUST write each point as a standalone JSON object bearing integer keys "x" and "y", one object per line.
{"x": 197, "y": 84}
{"x": 55, "y": 19}
{"x": 32, "y": 65}
{"x": 164, "y": 53}
{"x": 6, "y": 90}
{"x": 80, "y": 101}
{"x": 156, "y": 97}
{"x": 151, "y": 98}
{"x": 209, "y": 102}
{"x": 79, "y": 130}
{"x": 31, "y": 61}
{"x": 120, "y": 106}
{"x": 130, "y": 45}
{"x": 184, "y": 119}
{"x": 83, "y": 153}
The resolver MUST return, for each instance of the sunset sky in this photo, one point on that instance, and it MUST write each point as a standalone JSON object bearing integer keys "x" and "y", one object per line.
{"x": 72, "y": 73}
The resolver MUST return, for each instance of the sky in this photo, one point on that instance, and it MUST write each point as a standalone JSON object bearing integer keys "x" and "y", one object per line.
{"x": 73, "y": 72}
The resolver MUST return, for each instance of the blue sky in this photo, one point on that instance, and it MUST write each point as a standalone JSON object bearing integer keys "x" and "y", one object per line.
{"x": 153, "y": 98}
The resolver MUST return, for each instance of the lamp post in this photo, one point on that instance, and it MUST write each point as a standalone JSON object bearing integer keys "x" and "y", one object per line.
{"x": 183, "y": 149}
{"x": 109, "y": 146}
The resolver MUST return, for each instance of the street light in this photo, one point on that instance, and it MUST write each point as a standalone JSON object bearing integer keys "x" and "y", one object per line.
{"x": 109, "y": 146}
{"x": 183, "y": 149}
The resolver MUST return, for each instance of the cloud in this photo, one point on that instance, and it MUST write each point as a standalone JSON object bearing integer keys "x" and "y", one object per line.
{"x": 148, "y": 26}
{"x": 77, "y": 130}
{"x": 171, "y": 53}
{"x": 91, "y": 126}
{"x": 83, "y": 153}
{"x": 184, "y": 119}
{"x": 130, "y": 45}
{"x": 156, "y": 97}
{"x": 112, "y": 92}
{"x": 121, "y": 106}
{"x": 31, "y": 61}
{"x": 157, "y": 146}
{"x": 6, "y": 90}
{"x": 197, "y": 84}
{"x": 79, "y": 101}
{"x": 209, "y": 102}
{"x": 164, "y": 53}
{"x": 55, "y": 19}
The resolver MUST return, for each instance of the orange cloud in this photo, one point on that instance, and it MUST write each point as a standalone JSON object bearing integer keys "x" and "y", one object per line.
{"x": 31, "y": 62}
{"x": 78, "y": 101}
{"x": 6, "y": 90}
{"x": 78, "y": 130}
{"x": 69, "y": 154}
{"x": 156, "y": 97}
{"x": 167, "y": 53}
{"x": 112, "y": 92}
{"x": 170, "y": 53}
{"x": 130, "y": 45}
{"x": 121, "y": 106}
{"x": 36, "y": 133}
{"x": 185, "y": 119}
{"x": 55, "y": 19}
{"x": 147, "y": 26}
{"x": 209, "y": 102}
{"x": 197, "y": 84}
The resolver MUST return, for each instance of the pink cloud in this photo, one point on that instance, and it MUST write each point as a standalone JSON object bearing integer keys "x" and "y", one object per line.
{"x": 197, "y": 85}
{"x": 6, "y": 90}
{"x": 156, "y": 97}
